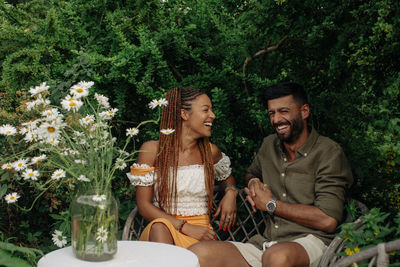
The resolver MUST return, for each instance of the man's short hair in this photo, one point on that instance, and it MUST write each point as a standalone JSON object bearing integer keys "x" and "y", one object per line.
{"x": 284, "y": 89}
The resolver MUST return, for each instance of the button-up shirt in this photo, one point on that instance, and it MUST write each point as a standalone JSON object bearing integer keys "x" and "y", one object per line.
{"x": 319, "y": 176}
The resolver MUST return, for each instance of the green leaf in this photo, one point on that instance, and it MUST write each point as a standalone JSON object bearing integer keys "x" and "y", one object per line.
{"x": 13, "y": 248}
{"x": 8, "y": 260}
{"x": 3, "y": 190}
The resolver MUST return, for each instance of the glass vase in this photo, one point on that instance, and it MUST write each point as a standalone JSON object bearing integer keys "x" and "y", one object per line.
{"x": 94, "y": 215}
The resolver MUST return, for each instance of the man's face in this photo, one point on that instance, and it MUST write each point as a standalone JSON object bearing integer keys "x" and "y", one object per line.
{"x": 288, "y": 118}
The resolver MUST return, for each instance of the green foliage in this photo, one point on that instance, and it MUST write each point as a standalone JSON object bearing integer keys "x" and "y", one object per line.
{"x": 376, "y": 228}
{"x": 17, "y": 256}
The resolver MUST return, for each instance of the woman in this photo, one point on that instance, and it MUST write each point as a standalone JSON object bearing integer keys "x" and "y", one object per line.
{"x": 179, "y": 204}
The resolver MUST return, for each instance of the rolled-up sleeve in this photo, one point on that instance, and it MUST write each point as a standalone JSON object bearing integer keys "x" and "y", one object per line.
{"x": 333, "y": 178}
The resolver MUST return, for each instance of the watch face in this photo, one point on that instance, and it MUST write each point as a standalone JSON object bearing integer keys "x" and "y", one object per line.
{"x": 271, "y": 206}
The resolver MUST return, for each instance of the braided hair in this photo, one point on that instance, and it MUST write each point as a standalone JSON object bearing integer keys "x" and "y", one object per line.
{"x": 167, "y": 162}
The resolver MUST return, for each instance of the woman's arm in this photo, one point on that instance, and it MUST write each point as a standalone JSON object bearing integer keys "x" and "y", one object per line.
{"x": 227, "y": 206}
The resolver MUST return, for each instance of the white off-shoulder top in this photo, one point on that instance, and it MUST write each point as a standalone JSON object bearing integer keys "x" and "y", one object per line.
{"x": 192, "y": 196}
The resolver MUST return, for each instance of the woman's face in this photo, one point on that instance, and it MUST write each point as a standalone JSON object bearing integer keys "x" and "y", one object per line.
{"x": 200, "y": 118}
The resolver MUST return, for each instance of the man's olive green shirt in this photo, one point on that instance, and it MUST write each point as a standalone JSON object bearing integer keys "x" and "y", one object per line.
{"x": 319, "y": 176}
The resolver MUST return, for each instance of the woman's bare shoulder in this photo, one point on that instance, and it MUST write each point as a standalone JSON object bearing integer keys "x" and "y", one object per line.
{"x": 216, "y": 153}
{"x": 148, "y": 152}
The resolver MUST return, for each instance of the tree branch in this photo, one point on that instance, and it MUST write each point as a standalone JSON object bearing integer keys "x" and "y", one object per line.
{"x": 259, "y": 53}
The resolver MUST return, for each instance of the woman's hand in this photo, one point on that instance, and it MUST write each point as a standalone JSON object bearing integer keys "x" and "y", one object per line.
{"x": 199, "y": 232}
{"x": 227, "y": 209}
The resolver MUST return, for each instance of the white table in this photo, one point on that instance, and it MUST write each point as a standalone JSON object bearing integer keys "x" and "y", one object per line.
{"x": 130, "y": 253}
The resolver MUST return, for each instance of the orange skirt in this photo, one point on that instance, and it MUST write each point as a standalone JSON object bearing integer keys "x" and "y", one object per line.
{"x": 180, "y": 239}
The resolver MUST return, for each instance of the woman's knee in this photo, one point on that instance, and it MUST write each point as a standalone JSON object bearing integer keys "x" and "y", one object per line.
{"x": 159, "y": 232}
{"x": 159, "y": 227}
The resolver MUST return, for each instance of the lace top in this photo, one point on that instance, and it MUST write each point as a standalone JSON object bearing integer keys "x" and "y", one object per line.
{"x": 191, "y": 196}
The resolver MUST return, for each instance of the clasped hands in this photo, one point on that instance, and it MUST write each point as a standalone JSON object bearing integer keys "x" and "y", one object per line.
{"x": 258, "y": 194}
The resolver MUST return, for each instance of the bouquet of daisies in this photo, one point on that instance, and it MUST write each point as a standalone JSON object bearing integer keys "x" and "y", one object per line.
{"x": 68, "y": 143}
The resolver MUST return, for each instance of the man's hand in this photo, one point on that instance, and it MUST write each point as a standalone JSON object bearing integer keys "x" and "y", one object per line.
{"x": 258, "y": 194}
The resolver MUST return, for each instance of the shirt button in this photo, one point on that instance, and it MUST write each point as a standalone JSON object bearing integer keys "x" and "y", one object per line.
{"x": 285, "y": 159}
{"x": 284, "y": 194}
{"x": 276, "y": 226}
{"x": 305, "y": 154}
{"x": 282, "y": 174}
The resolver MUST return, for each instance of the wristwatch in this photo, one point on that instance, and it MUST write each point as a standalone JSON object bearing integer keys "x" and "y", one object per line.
{"x": 271, "y": 206}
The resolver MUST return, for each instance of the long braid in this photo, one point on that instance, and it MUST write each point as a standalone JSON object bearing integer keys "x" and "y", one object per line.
{"x": 178, "y": 98}
{"x": 206, "y": 155}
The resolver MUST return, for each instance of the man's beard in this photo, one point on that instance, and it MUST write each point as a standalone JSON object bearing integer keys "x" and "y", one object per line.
{"x": 296, "y": 128}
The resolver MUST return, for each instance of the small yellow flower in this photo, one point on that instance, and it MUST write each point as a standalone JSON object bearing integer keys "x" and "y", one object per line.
{"x": 349, "y": 251}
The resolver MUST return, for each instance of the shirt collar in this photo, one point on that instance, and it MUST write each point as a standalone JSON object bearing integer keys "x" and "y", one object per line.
{"x": 305, "y": 149}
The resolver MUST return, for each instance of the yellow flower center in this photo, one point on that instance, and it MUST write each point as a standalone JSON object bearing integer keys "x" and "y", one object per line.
{"x": 31, "y": 174}
{"x": 8, "y": 132}
{"x": 51, "y": 129}
{"x": 110, "y": 112}
{"x": 79, "y": 90}
{"x": 8, "y": 165}
{"x": 20, "y": 164}
{"x": 72, "y": 104}
{"x": 12, "y": 198}
{"x": 71, "y": 99}
{"x": 87, "y": 119}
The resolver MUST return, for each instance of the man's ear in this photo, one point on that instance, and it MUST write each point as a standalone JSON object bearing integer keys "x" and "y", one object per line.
{"x": 184, "y": 114}
{"x": 305, "y": 111}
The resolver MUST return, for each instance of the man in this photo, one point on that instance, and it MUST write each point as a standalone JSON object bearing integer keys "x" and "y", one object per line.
{"x": 300, "y": 179}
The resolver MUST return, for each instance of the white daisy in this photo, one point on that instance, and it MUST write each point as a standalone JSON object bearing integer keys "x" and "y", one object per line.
{"x": 41, "y": 101}
{"x": 50, "y": 112}
{"x": 8, "y": 129}
{"x": 58, "y": 239}
{"x": 52, "y": 141}
{"x": 88, "y": 119}
{"x": 106, "y": 115}
{"x": 38, "y": 89}
{"x": 37, "y": 160}
{"x": 102, "y": 234}
{"x": 102, "y": 100}
{"x": 81, "y": 161}
{"x": 71, "y": 103}
{"x": 30, "y": 137}
{"x": 160, "y": 102}
{"x": 167, "y": 131}
{"x": 120, "y": 164}
{"x": 20, "y": 164}
{"x": 70, "y": 183}
{"x": 81, "y": 89}
{"x": 58, "y": 174}
{"x": 123, "y": 153}
{"x": 83, "y": 178}
{"x": 132, "y": 131}
{"x": 30, "y": 174}
{"x": 28, "y": 126}
{"x": 30, "y": 105}
{"x": 49, "y": 131}
{"x": 99, "y": 198}
{"x": 7, "y": 166}
{"x": 12, "y": 197}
